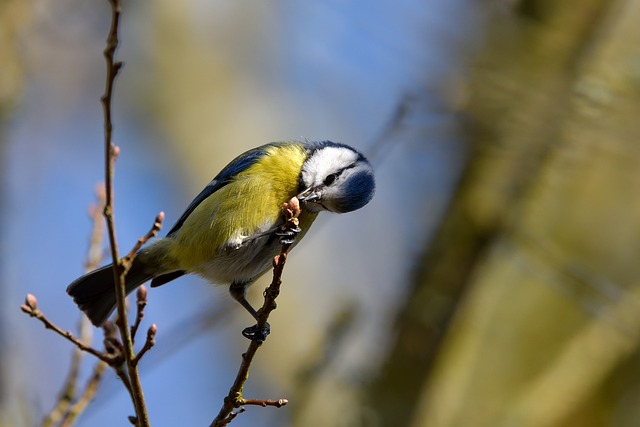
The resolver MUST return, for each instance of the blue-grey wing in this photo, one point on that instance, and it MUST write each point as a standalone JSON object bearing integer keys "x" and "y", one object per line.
{"x": 237, "y": 165}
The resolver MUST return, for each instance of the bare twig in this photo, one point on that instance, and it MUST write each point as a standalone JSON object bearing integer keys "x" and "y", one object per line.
{"x": 122, "y": 374}
{"x": 94, "y": 255}
{"x": 68, "y": 392}
{"x": 141, "y": 303}
{"x": 95, "y": 252}
{"x": 234, "y": 399}
{"x": 85, "y": 398}
{"x": 30, "y": 307}
{"x": 119, "y": 269}
{"x": 127, "y": 261}
{"x": 150, "y": 342}
{"x": 264, "y": 403}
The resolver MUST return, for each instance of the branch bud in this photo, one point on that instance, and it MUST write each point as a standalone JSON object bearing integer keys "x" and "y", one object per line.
{"x": 115, "y": 152}
{"x": 30, "y": 305}
{"x": 141, "y": 294}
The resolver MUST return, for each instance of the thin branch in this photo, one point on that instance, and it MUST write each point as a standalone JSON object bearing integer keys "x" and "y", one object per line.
{"x": 114, "y": 355}
{"x": 113, "y": 346}
{"x": 94, "y": 255}
{"x": 30, "y": 307}
{"x": 264, "y": 403}
{"x": 119, "y": 270}
{"x": 68, "y": 392}
{"x": 150, "y": 342}
{"x": 86, "y": 397}
{"x": 141, "y": 303}
{"x": 116, "y": 352}
{"x": 122, "y": 374}
{"x": 127, "y": 261}
{"x": 234, "y": 399}
{"x": 96, "y": 242}
{"x": 231, "y": 416}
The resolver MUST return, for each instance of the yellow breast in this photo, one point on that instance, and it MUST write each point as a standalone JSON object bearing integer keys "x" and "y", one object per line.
{"x": 249, "y": 204}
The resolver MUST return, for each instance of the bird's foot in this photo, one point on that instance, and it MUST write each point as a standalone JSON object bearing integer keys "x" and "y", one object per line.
{"x": 257, "y": 334}
{"x": 288, "y": 235}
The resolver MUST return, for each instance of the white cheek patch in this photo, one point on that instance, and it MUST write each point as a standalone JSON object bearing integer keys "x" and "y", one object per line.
{"x": 325, "y": 161}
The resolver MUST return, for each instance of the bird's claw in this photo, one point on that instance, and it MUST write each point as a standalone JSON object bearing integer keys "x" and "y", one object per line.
{"x": 257, "y": 334}
{"x": 288, "y": 235}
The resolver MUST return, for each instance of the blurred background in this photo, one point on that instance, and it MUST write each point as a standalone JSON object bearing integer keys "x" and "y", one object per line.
{"x": 492, "y": 281}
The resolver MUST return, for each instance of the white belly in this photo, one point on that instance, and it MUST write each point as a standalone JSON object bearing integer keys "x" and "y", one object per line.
{"x": 242, "y": 265}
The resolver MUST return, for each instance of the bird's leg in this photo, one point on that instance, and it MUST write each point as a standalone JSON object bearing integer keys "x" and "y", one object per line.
{"x": 238, "y": 292}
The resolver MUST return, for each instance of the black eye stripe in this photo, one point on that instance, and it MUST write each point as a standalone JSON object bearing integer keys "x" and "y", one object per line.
{"x": 331, "y": 178}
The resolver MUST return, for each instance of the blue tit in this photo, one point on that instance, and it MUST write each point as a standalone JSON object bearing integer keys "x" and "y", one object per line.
{"x": 229, "y": 234}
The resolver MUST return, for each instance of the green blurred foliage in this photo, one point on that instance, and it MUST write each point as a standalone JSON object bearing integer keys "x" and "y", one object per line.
{"x": 524, "y": 311}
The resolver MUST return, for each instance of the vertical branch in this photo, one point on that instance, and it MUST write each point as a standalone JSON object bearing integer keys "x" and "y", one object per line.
{"x": 111, "y": 152}
{"x": 235, "y": 399}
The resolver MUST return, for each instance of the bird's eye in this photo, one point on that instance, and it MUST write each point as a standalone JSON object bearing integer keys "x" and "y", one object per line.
{"x": 330, "y": 179}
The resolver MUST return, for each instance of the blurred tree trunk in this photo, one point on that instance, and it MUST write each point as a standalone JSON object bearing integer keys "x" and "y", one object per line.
{"x": 538, "y": 244}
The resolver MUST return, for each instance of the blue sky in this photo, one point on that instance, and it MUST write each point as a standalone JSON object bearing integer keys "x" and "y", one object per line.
{"x": 335, "y": 68}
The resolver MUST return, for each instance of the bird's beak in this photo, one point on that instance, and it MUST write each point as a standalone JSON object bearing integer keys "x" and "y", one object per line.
{"x": 308, "y": 195}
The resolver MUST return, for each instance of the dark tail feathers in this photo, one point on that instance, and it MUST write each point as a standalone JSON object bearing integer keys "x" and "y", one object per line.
{"x": 95, "y": 292}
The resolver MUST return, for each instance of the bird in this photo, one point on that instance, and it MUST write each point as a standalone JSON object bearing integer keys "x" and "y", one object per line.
{"x": 232, "y": 230}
